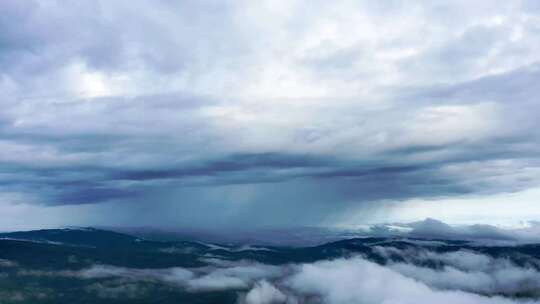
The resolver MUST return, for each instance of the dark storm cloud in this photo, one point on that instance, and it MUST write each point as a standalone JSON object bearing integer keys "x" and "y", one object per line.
{"x": 238, "y": 162}
{"x": 87, "y": 184}
{"x": 87, "y": 194}
{"x": 262, "y": 113}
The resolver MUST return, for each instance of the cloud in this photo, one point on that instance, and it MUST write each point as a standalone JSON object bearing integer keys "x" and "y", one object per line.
{"x": 236, "y": 276}
{"x": 221, "y": 276}
{"x": 265, "y": 293}
{"x": 476, "y": 233}
{"x": 326, "y": 107}
{"x": 465, "y": 270}
{"x": 357, "y": 280}
{"x": 7, "y": 263}
{"x": 117, "y": 290}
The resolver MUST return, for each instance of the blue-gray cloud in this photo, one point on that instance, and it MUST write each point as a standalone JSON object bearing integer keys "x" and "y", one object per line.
{"x": 266, "y": 113}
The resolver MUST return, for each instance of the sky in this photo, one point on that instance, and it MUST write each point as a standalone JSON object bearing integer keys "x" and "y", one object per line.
{"x": 215, "y": 114}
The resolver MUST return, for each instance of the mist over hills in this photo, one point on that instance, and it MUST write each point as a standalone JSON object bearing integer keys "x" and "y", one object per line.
{"x": 89, "y": 265}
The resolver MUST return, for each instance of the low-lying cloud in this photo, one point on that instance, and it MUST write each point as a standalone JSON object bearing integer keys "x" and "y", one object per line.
{"x": 406, "y": 275}
{"x": 477, "y": 233}
{"x": 357, "y": 280}
{"x": 466, "y": 271}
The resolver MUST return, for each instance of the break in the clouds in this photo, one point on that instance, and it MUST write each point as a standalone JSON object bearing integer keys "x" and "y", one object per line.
{"x": 267, "y": 112}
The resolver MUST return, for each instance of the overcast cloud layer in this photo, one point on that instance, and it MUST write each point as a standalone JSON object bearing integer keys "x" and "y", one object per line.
{"x": 266, "y": 112}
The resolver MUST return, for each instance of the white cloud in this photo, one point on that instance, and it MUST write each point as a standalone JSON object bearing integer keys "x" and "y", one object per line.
{"x": 359, "y": 281}
{"x": 467, "y": 271}
{"x": 265, "y": 293}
